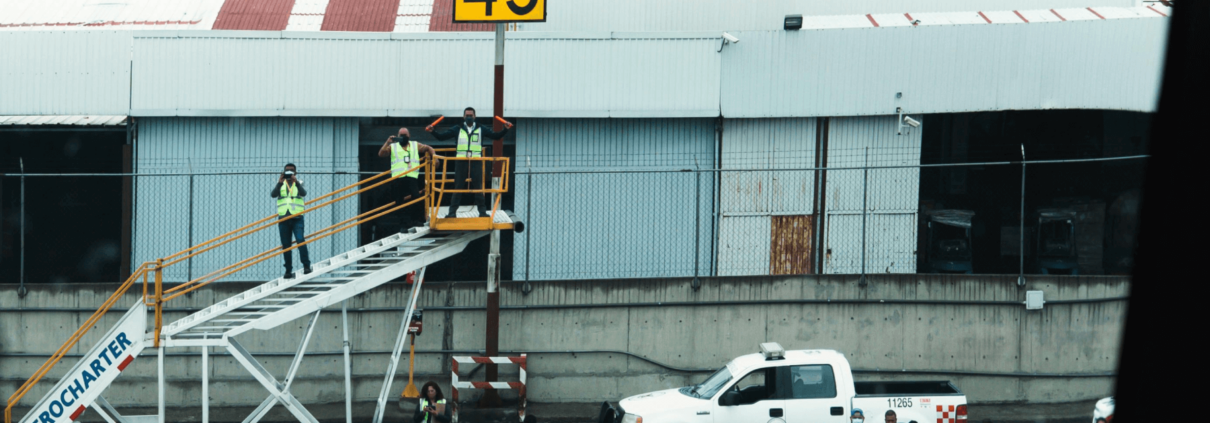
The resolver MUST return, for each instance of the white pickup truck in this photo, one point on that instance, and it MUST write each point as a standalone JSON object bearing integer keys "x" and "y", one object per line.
{"x": 781, "y": 386}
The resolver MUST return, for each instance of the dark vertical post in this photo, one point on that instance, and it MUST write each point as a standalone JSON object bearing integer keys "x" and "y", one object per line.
{"x": 697, "y": 227}
{"x": 21, "y": 214}
{"x": 490, "y": 397}
{"x": 1021, "y": 270}
{"x": 189, "y": 273}
{"x": 865, "y": 196}
{"x": 529, "y": 215}
{"x": 127, "y": 208}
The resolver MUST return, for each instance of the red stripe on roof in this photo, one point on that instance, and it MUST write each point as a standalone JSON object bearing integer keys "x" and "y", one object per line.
{"x": 1057, "y": 14}
{"x": 1156, "y": 11}
{"x": 985, "y": 17}
{"x": 1022, "y": 17}
{"x": 360, "y": 15}
{"x": 258, "y": 15}
{"x": 871, "y": 18}
{"x": 442, "y": 20}
{"x": 1095, "y": 13}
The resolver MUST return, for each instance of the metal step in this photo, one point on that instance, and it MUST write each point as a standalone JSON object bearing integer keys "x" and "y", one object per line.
{"x": 350, "y": 273}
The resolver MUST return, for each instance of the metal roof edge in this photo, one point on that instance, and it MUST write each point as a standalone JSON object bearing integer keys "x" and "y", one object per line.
{"x": 442, "y": 35}
{"x": 337, "y": 35}
{"x": 669, "y": 35}
{"x": 558, "y": 35}
{"x": 258, "y": 112}
{"x": 557, "y": 114}
{"x": 606, "y": 35}
{"x": 663, "y": 113}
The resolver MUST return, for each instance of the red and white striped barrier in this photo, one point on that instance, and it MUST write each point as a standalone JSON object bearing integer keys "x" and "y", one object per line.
{"x": 519, "y": 386}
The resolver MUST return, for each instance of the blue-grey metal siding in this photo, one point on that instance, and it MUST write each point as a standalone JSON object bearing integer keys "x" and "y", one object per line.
{"x": 749, "y": 198}
{"x": 64, "y": 72}
{"x": 893, "y": 195}
{"x": 614, "y": 225}
{"x": 730, "y": 15}
{"x": 945, "y": 69}
{"x": 261, "y": 73}
{"x": 221, "y": 203}
{"x": 612, "y": 75}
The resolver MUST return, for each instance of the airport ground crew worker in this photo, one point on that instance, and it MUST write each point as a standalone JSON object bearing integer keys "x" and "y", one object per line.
{"x": 433, "y": 407}
{"x": 470, "y": 144}
{"x": 289, "y": 193}
{"x": 406, "y": 186}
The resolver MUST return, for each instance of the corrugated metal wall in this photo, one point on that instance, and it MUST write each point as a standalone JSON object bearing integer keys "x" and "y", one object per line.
{"x": 945, "y": 69}
{"x": 612, "y": 75}
{"x": 748, "y": 199}
{"x": 893, "y": 195}
{"x": 842, "y": 71}
{"x": 299, "y": 73}
{"x": 703, "y": 15}
{"x": 64, "y": 72}
{"x": 220, "y": 203}
{"x": 640, "y": 223}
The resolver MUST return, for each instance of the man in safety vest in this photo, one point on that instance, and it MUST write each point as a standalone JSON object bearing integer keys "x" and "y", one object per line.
{"x": 289, "y": 193}
{"x": 406, "y": 186}
{"x": 470, "y": 144}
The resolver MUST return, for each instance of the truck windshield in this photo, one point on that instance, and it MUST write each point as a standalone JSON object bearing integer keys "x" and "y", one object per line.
{"x": 710, "y": 386}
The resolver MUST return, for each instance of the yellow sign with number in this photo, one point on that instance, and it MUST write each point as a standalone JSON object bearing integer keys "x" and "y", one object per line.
{"x": 499, "y": 11}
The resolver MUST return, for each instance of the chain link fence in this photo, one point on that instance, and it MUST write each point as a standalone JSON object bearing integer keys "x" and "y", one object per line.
{"x": 624, "y": 221}
{"x": 884, "y": 217}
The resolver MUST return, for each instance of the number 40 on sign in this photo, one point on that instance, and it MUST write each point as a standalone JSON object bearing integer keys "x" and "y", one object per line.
{"x": 467, "y": 11}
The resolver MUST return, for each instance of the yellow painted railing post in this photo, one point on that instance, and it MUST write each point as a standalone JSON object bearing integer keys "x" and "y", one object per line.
{"x": 159, "y": 299}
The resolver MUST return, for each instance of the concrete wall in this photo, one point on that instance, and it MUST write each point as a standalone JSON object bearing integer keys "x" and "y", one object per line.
{"x": 985, "y": 348}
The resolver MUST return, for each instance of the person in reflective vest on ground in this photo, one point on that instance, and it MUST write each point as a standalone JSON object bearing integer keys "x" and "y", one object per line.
{"x": 470, "y": 144}
{"x": 433, "y": 407}
{"x": 289, "y": 193}
{"x": 406, "y": 186}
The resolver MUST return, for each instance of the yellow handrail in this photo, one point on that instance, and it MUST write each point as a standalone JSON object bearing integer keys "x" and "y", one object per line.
{"x": 435, "y": 190}
{"x": 158, "y": 266}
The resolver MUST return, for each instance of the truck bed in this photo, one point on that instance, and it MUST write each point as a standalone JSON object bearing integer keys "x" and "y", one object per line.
{"x": 901, "y": 389}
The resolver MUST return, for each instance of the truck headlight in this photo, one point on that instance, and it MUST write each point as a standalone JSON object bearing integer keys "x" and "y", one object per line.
{"x": 631, "y": 418}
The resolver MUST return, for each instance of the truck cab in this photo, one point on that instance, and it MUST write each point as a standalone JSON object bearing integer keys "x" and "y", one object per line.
{"x": 781, "y": 386}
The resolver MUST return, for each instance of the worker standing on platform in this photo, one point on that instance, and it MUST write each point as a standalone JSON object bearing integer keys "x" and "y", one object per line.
{"x": 406, "y": 186}
{"x": 289, "y": 193}
{"x": 470, "y": 144}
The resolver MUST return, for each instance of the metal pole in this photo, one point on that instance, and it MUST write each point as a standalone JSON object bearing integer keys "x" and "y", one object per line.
{"x": 189, "y": 273}
{"x": 1021, "y": 270}
{"x": 865, "y": 196}
{"x": 21, "y": 289}
{"x": 490, "y": 397}
{"x": 160, "y": 382}
{"x": 529, "y": 210}
{"x": 205, "y": 384}
{"x": 344, "y": 317}
{"x": 697, "y": 230}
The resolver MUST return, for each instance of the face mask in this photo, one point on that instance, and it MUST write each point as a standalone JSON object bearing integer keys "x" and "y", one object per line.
{"x": 857, "y": 420}
{"x": 469, "y": 120}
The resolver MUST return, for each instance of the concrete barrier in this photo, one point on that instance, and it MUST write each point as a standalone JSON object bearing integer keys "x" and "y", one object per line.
{"x": 594, "y": 341}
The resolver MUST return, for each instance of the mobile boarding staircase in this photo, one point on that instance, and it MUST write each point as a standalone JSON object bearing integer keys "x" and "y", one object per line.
{"x": 267, "y": 305}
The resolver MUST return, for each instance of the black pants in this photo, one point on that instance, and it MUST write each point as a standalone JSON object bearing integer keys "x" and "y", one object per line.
{"x": 476, "y": 176}
{"x": 400, "y": 189}
{"x": 288, "y": 228}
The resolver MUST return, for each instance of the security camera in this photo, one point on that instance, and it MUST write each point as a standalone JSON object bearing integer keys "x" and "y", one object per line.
{"x": 911, "y": 122}
{"x": 730, "y": 38}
